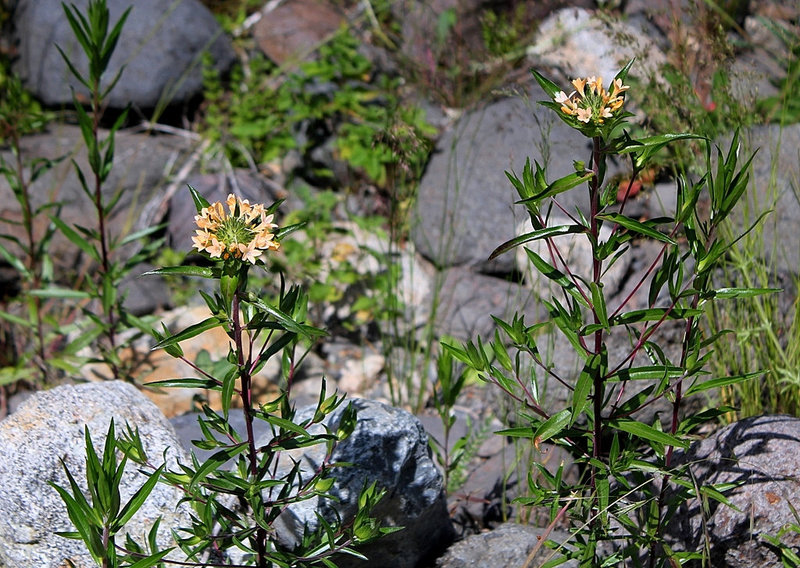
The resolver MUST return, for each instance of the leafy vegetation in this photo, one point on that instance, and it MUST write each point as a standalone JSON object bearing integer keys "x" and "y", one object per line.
{"x": 352, "y": 128}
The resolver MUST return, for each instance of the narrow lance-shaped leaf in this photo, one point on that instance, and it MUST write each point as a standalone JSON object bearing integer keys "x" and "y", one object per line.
{"x": 553, "y": 425}
{"x": 636, "y": 226}
{"x": 200, "y": 202}
{"x": 76, "y": 239}
{"x": 546, "y": 84}
{"x": 189, "y": 332}
{"x": 548, "y": 270}
{"x": 580, "y": 396}
{"x": 719, "y": 382}
{"x": 560, "y": 186}
{"x": 137, "y": 500}
{"x": 197, "y": 271}
{"x": 645, "y": 148}
{"x": 725, "y": 293}
{"x": 648, "y": 433}
{"x": 536, "y": 235}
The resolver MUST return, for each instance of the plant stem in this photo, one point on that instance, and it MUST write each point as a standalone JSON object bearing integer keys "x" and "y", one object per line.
{"x": 247, "y": 401}
{"x": 33, "y": 256}
{"x": 101, "y": 224}
{"x": 597, "y": 265}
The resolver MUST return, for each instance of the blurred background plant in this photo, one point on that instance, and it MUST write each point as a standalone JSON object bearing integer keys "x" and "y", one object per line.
{"x": 25, "y": 336}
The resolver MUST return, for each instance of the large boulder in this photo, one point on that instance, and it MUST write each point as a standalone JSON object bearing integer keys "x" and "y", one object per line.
{"x": 47, "y": 429}
{"x": 390, "y": 447}
{"x": 160, "y": 46}
{"x": 761, "y": 456}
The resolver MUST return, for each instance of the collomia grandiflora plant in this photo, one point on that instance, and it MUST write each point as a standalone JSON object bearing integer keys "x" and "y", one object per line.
{"x": 238, "y": 492}
{"x": 630, "y": 483}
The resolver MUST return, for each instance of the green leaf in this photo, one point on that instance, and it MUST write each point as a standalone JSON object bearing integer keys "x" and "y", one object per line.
{"x": 78, "y": 517}
{"x": 548, "y": 270}
{"x": 228, "y": 385}
{"x": 580, "y": 396}
{"x": 536, "y": 235}
{"x": 141, "y": 234}
{"x": 287, "y": 425}
{"x": 648, "y": 433}
{"x": 16, "y": 320}
{"x": 135, "y": 502}
{"x": 16, "y": 263}
{"x": 216, "y": 461}
{"x": 725, "y": 293}
{"x": 151, "y": 560}
{"x": 599, "y": 304}
{"x": 636, "y": 226}
{"x": 645, "y": 148}
{"x": 654, "y": 372}
{"x": 285, "y": 320}
{"x": 189, "y": 332}
{"x": 559, "y": 186}
{"x": 722, "y": 382}
{"x": 654, "y": 314}
{"x": 188, "y": 383}
{"x": 199, "y": 271}
{"x": 200, "y": 202}
{"x": 546, "y": 84}
{"x": 553, "y": 425}
{"x": 75, "y": 238}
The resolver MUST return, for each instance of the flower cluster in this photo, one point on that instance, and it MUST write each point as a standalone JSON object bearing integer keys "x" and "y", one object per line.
{"x": 590, "y": 102}
{"x": 245, "y": 232}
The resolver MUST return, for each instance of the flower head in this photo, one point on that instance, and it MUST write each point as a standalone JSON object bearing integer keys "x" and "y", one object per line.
{"x": 243, "y": 232}
{"x": 590, "y": 103}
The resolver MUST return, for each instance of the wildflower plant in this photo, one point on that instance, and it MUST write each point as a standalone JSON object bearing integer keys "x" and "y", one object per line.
{"x": 237, "y": 494}
{"x": 630, "y": 482}
{"x": 114, "y": 257}
{"x": 31, "y": 356}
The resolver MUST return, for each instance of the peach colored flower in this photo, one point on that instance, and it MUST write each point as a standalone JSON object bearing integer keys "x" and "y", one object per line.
{"x": 244, "y": 232}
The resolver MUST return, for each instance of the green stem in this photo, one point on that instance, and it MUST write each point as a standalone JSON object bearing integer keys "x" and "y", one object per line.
{"x": 33, "y": 256}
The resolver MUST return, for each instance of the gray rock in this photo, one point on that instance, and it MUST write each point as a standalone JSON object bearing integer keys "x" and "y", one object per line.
{"x": 160, "y": 46}
{"x": 465, "y": 206}
{"x": 390, "y": 447}
{"x": 467, "y": 300}
{"x": 49, "y": 427}
{"x": 581, "y": 44}
{"x": 762, "y": 456}
{"x": 773, "y": 186}
{"x": 508, "y": 546}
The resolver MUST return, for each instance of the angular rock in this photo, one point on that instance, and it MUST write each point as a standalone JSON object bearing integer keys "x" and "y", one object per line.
{"x": 390, "y": 447}
{"x": 49, "y": 427}
{"x": 288, "y": 31}
{"x": 580, "y": 44}
{"x": 508, "y": 546}
{"x": 762, "y": 456}
{"x": 160, "y": 46}
{"x": 466, "y": 301}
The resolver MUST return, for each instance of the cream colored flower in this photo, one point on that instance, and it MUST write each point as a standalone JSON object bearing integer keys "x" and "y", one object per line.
{"x": 244, "y": 232}
{"x": 590, "y": 102}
